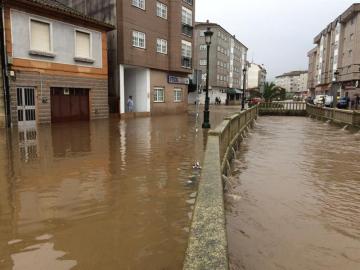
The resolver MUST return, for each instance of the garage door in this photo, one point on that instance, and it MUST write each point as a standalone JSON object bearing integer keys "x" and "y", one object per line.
{"x": 69, "y": 104}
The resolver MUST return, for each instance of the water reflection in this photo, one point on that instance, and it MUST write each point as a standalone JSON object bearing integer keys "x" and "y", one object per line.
{"x": 111, "y": 194}
{"x": 296, "y": 202}
{"x": 50, "y": 257}
{"x": 28, "y": 143}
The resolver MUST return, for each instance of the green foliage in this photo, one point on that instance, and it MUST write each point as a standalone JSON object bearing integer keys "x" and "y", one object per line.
{"x": 273, "y": 92}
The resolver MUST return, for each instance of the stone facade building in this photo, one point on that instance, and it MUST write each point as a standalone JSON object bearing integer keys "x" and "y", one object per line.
{"x": 57, "y": 63}
{"x": 150, "y": 54}
{"x": 337, "y": 49}
{"x": 227, "y": 60}
{"x": 256, "y": 77}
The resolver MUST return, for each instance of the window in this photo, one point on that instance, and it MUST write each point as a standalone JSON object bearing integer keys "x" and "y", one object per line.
{"x": 82, "y": 44}
{"x": 186, "y": 54}
{"x": 190, "y": 2}
{"x": 138, "y": 39}
{"x": 139, "y": 3}
{"x": 202, "y": 47}
{"x": 40, "y": 36}
{"x": 177, "y": 95}
{"x": 203, "y": 62}
{"x": 351, "y": 36}
{"x": 186, "y": 49}
{"x": 161, "y": 10}
{"x": 186, "y": 16}
{"x": 161, "y": 46}
{"x": 159, "y": 94}
{"x": 350, "y": 53}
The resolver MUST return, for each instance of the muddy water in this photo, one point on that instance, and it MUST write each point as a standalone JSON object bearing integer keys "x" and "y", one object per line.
{"x": 108, "y": 194}
{"x": 295, "y": 202}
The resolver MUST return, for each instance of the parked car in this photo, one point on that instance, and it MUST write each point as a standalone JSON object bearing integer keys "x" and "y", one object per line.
{"x": 254, "y": 101}
{"x": 319, "y": 99}
{"x": 343, "y": 103}
{"x": 309, "y": 100}
{"x": 328, "y": 101}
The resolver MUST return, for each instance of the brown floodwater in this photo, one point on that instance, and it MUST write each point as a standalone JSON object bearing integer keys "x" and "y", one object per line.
{"x": 294, "y": 197}
{"x": 107, "y": 194}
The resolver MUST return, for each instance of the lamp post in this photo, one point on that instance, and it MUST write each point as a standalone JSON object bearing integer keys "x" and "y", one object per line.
{"x": 206, "y": 124}
{"x": 244, "y": 86}
{"x": 334, "y": 87}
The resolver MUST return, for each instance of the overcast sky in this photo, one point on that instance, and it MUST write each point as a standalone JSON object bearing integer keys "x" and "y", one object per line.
{"x": 278, "y": 33}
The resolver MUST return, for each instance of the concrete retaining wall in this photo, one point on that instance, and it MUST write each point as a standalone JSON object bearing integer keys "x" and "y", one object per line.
{"x": 207, "y": 247}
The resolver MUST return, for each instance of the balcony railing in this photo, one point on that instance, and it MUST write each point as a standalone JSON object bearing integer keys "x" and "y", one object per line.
{"x": 190, "y": 2}
{"x": 187, "y": 29}
{"x": 186, "y": 62}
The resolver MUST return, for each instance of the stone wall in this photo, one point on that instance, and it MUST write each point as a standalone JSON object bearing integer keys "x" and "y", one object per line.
{"x": 345, "y": 117}
{"x": 98, "y": 95}
{"x": 207, "y": 247}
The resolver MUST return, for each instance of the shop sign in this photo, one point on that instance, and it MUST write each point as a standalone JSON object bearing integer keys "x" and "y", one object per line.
{"x": 178, "y": 80}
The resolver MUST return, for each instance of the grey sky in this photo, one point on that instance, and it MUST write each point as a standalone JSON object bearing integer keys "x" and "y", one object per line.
{"x": 278, "y": 33}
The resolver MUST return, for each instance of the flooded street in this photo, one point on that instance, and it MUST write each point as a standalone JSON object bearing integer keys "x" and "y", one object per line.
{"x": 107, "y": 194}
{"x": 295, "y": 197}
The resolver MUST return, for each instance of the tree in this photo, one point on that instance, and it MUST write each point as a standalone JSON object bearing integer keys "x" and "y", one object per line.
{"x": 271, "y": 92}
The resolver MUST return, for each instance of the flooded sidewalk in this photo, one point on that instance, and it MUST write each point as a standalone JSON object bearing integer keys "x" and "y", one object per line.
{"x": 107, "y": 194}
{"x": 294, "y": 201}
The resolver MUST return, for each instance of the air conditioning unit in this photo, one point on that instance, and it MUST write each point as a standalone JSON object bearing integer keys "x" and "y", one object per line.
{"x": 66, "y": 91}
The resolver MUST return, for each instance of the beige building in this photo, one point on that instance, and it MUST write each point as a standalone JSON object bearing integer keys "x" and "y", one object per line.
{"x": 227, "y": 60}
{"x": 337, "y": 48}
{"x": 294, "y": 82}
{"x": 256, "y": 77}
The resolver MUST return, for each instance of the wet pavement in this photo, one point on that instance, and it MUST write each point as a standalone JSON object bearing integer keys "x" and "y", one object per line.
{"x": 107, "y": 194}
{"x": 294, "y": 198}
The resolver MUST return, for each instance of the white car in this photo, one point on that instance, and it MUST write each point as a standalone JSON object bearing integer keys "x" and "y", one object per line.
{"x": 319, "y": 99}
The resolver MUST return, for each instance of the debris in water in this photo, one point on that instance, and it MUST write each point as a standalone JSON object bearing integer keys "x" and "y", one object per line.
{"x": 197, "y": 165}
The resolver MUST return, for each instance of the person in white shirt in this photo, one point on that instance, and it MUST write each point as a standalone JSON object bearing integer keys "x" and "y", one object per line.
{"x": 130, "y": 104}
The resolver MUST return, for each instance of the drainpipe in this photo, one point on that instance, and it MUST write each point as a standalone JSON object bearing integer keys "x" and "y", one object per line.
{"x": 4, "y": 70}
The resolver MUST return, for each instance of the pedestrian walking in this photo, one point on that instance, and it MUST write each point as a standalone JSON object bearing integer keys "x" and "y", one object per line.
{"x": 130, "y": 104}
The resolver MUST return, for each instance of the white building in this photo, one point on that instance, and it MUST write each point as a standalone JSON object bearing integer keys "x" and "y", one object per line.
{"x": 294, "y": 82}
{"x": 256, "y": 77}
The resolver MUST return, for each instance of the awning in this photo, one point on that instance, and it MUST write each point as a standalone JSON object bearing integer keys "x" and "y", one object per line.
{"x": 233, "y": 91}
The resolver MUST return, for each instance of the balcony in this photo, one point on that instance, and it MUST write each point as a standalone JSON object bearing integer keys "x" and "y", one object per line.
{"x": 186, "y": 62}
{"x": 187, "y": 29}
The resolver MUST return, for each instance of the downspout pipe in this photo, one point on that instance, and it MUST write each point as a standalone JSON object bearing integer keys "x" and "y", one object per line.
{"x": 5, "y": 70}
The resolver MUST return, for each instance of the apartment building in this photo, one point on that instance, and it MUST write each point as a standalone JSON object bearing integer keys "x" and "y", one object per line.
{"x": 312, "y": 75}
{"x": 337, "y": 49}
{"x": 294, "y": 82}
{"x": 150, "y": 54}
{"x": 227, "y": 60}
{"x": 56, "y": 63}
{"x": 256, "y": 77}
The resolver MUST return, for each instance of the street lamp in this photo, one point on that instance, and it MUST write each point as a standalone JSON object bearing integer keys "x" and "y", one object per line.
{"x": 336, "y": 77}
{"x": 244, "y": 86}
{"x": 208, "y": 34}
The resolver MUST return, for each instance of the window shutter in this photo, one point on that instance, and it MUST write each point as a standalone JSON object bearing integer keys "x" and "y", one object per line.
{"x": 40, "y": 36}
{"x": 83, "y": 44}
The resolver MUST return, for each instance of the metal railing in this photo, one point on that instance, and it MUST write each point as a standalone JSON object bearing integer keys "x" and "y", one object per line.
{"x": 186, "y": 62}
{"x": 187, "y": 30}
